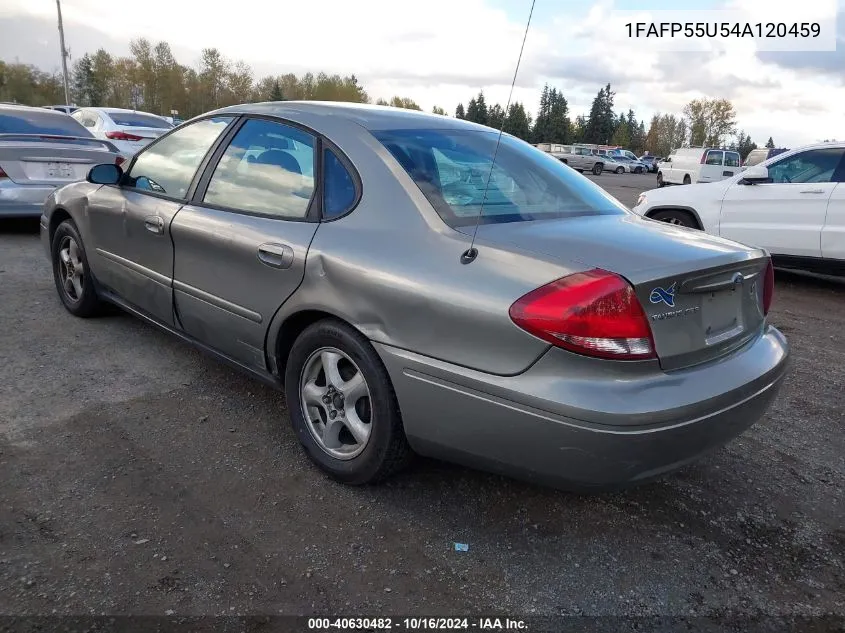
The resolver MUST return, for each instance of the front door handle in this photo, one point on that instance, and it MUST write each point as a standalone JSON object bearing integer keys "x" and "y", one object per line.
{"x": 813, "y": 191}
{"x": 276, "y": 255}
{"x": 154, "y": 224}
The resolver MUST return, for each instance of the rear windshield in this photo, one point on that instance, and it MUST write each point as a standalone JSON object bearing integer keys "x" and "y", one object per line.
{"x": 138, "y": 119}
{"x": 40, "y": 122}
{"x": 731, "y": 159}
{"x": 451, "y": 168}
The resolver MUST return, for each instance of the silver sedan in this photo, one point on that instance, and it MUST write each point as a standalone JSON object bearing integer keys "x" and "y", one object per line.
{"x": 411, "y": 294}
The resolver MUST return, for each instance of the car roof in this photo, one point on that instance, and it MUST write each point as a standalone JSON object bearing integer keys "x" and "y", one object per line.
{"x": 121, "y": 111}
{"x": 9, "y": 108}
{"x": 371, "y": 117}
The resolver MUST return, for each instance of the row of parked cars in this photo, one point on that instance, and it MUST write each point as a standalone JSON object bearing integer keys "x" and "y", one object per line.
{"x": 596, "y": 160}
{"x": 44, "y": 148}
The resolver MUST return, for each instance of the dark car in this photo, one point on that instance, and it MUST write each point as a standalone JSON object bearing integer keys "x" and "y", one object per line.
{"x": 650, "y": 162}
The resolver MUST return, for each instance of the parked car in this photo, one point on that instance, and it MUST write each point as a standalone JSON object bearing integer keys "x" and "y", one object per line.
{"x": 757, "y": 156}
{"x": 41, "y": 149}
{"x": 581, "y": 159}
{"x": 697, "y": 164}
{"x": 67, "y": 109}
{"x": 650, "y": 162}
{"x": 633, "y": 165}
{"x": 793, "y": 205}
{"x": 129, "y": 130}
{"x": 616, "y": 164}
{"x": 320, "y": 247}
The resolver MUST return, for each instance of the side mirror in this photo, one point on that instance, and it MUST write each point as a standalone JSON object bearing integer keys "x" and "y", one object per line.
{"x": 105, "y": 174}
{"x": 754, "y": 175}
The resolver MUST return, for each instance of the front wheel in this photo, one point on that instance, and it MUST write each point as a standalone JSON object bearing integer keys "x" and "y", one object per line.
{"x": 660, "y": 182}
{"x": 342, "y": 405}
{"x": 597, "y": 169}
{"x": 620, "y": 170}
{"x": 71, "y": 272}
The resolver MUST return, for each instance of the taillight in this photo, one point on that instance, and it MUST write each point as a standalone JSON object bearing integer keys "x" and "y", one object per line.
{"x": 703, "y": 158}
{"x": 3, "y": 173}
{"x": 595, "y": 313}
{"x": 119, "y": 160}
{"x": 123, "y": 136}
{"x": 768, "y": 287}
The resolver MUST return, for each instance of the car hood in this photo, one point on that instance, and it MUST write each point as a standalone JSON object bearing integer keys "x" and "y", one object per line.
{"x": 634, "y": 247}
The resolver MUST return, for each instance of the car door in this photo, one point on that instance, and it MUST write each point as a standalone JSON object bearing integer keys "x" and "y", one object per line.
{"x": 240, "y": 245}
{"x": 785, "y": 215}
{"x": 130, "y": 222}
{"x": 833, "y": 232}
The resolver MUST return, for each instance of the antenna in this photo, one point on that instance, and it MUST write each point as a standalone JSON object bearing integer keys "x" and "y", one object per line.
{"x": 469, "y": 255}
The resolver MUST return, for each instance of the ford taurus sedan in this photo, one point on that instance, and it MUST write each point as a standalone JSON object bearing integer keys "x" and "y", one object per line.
{"x": 328, "y": 250}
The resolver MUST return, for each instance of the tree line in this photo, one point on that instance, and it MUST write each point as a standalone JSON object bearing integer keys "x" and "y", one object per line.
{"x": 151, "y": 79}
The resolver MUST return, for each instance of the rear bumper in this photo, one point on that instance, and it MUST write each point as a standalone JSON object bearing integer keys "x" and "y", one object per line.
{"x": 568, "y": 423}
{"x": 22, "y": 201}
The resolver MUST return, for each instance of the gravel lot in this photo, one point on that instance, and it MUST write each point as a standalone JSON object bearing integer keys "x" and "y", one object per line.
{"x": 139, "y": 476}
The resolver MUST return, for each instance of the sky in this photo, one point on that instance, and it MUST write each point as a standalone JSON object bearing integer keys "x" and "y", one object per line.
{"x": 442, "y": 52}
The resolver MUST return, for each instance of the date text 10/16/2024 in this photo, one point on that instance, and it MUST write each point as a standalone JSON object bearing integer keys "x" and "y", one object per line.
{"x": 417, "y": 624}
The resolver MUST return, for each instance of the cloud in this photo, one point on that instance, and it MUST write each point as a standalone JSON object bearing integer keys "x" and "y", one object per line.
{"x": 830, "y": 64}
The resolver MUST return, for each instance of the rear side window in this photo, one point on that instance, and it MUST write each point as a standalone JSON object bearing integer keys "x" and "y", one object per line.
{"x": 452, "y": 167}
{"x": 714, "y": 157}
{"x": 731, "y": 159}
{"x": 338, "y": 187}
{"x": 138, "y": 119}
{"x": 40, "y": 121}
{"x": 268, "y": 168}
{"x": 169, "y": 165}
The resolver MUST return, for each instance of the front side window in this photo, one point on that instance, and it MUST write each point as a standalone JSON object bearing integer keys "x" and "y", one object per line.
{"x": 452, "y": 167}
{"x": 268, "y": 168}
{"x": 169, "y": 165}
{"x": 815, "y": 165}
{"x": 714, "y": 157}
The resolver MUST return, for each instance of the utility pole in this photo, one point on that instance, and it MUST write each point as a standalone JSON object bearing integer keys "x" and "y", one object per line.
{"x": 64, "y": 53}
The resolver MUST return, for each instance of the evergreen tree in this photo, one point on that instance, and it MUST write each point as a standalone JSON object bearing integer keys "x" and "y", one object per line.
{"x": 477, "y": 110}
{"x": 601, "y": 122}
{"x": 459, "y": 112}
{"x": 438, "y": 110}
{"x": 517, "y": 121}
{"x": 276, "y": 93}
{"x": 496, "y": 117}
{"x": 770, "y": 143}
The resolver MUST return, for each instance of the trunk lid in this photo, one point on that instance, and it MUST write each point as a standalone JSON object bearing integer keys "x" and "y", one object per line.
{"x": 31, "y": 159}
{"x": 702, "y": 294}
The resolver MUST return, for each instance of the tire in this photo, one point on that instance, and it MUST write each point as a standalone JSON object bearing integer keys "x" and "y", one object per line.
{"x": 620, "y": 170}
{"x": 379, "y": 447}
{"x": 597, "y": 169}
{"x": 677, "y": 217}
{"x": 687, "y": 180}
{"x": 660, "y": 182}
{"x": 71, "y": 272}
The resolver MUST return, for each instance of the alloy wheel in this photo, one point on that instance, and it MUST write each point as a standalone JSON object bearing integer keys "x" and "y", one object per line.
{"x": 335, "y": 402}
{"x": 71, "y": 268}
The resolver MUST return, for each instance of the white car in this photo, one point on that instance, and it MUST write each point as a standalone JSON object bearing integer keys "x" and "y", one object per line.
{"x": 129, "y": 130}
{"x": 793, "y": 205}
{"x": 688, "y": 165}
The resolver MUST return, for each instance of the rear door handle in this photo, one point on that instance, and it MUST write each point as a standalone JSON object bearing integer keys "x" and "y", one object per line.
{"x": 276, "y": 255}
{"x": 154, "y": 224}
{"x": 813, "y": 191}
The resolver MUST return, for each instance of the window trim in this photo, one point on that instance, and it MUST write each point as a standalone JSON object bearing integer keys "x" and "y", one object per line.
{"x": 227, "y": 132}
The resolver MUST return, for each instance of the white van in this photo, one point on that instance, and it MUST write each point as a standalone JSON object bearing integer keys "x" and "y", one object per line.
{"x": 697, "y": 164}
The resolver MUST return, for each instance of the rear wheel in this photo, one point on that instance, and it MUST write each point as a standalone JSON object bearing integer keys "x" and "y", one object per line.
{"x": 72, "y": 273}
{"x": 342, "y": 405}
{"x": 687, "y": 179}
{"x": 677, "y": 217}
{"x": 597, "y": 169}
{"x": 660, "y": 182}
{"x": 620, "y": 170}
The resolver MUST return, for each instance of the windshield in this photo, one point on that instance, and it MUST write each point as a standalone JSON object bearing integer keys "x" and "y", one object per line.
{"x": 40, "y": 121}
{"x": 138, "y": 119}
{"x": 451, "y": 168}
